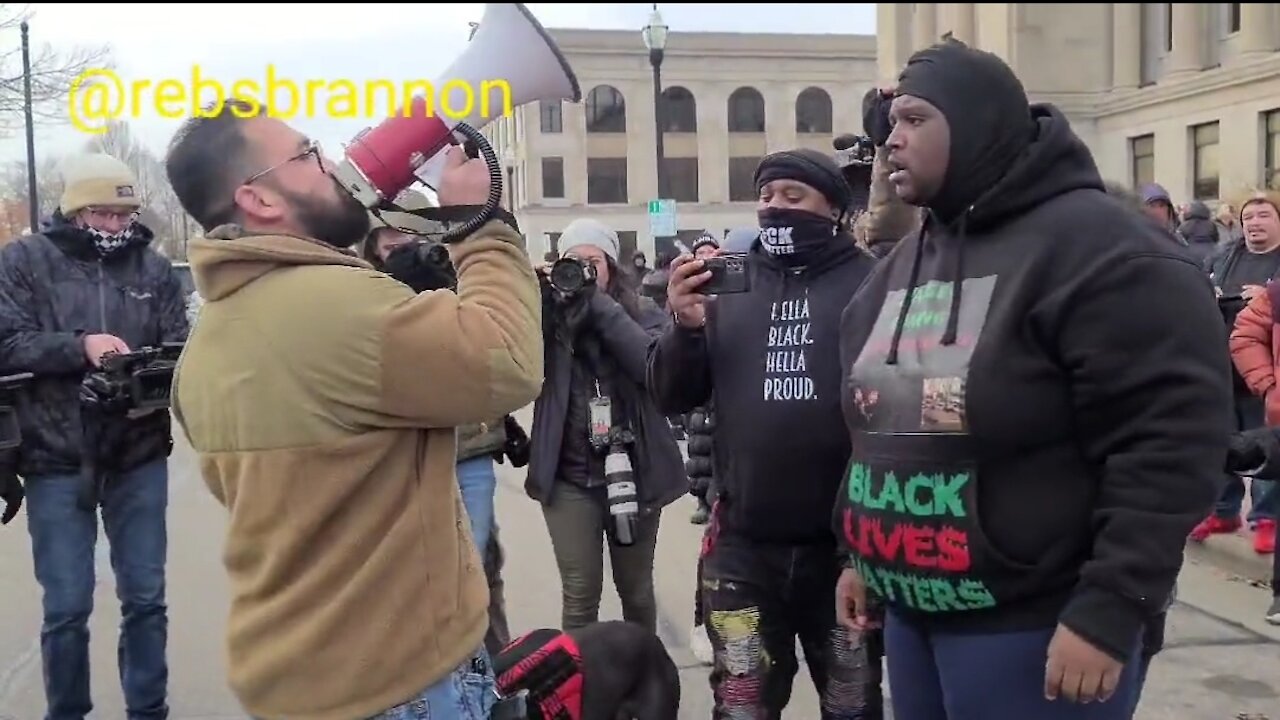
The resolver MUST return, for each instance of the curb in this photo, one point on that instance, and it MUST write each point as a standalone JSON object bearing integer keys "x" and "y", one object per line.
{"x": 1233, "y": 553}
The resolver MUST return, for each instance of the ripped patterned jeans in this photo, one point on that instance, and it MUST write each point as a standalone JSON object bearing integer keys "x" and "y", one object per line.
{"x": 757, "y": 599}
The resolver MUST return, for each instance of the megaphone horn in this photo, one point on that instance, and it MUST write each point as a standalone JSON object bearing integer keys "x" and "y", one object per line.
{"x": 509, "y": 62}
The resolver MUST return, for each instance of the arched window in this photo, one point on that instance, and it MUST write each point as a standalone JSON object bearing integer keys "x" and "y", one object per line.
{"x": 746, "y": 111}
{"x": 606, "y": 110}
{"x": 813, "y": 111}
{"x": 679, "y": 110}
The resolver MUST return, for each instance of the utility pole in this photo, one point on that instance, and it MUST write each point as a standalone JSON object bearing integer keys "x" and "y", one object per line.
{"x": 33, "y": 202}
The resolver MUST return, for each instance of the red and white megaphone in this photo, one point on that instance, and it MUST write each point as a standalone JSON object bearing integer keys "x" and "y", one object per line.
{"x": 510, "y": 61}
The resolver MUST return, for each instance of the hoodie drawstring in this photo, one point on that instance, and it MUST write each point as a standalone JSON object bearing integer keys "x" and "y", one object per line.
{"x": 957, "y": 282}
{"x": 892, "y": 359}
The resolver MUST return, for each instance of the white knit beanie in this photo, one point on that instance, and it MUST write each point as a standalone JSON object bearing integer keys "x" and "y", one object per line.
{"x": 585, "y": 231}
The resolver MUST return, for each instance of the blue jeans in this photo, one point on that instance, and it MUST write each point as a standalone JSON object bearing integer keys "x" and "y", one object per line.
{"x": 1263, "y": 496}
{"x": 63, "y": 538}
{"x": 467, "y": 693}
{"x": 996, "y": 676}
{"x": 478, "y": 482}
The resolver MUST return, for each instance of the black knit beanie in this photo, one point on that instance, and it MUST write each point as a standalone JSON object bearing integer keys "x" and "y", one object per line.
{"x": 810, "y": 167}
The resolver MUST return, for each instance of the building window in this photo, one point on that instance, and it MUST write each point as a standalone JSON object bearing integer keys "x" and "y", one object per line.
{"x": 1233, "y": 17}
{"x": 511, "y": 192}
{"x": 746, "y": 111}
{"x": 606, "y": 110}
{"x": 552, "y": 177}
{"x": 627, "y": 246}
{"x": 681, "y": 175}
{"x": 813, "y": 111}
{"x": 552, "y": 116}
{"x": 1204, "y": 170}
{"x": 1142, "y": 154}
{"x": 606, "y": 180}
{"x": 742, "y": 186}
{"x": 679, "y": 111}
{"x": 1271, "y": 154}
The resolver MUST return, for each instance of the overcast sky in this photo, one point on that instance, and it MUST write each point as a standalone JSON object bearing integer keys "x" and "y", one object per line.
{"x": 231, "y": 41}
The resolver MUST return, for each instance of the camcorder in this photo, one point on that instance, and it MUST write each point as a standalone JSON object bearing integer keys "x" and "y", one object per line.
{"x": 855, "y": 155}
{"x": 728, "y": 272}
{"x": 11, "y": 492}
{"x": 125, "y": 384}
{"x": 571, "y": 276}
{"x": 138, "y": 380}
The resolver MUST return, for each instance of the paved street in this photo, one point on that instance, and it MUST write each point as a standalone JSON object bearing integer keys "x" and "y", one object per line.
{"x": 1223, "y": 662}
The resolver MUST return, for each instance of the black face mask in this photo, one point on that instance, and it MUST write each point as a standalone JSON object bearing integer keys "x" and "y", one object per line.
{"x": 793, "y": 236}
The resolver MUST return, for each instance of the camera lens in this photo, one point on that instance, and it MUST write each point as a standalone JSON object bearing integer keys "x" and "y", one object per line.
{"x": 567, "y": 276}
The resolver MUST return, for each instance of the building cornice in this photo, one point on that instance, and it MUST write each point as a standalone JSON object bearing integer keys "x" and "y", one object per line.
{"x": 820, "y": 46}
{"x": 1205, "y": 81}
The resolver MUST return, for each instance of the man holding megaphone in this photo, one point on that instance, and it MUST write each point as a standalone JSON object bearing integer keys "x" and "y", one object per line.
{"x": 322, "y": 398}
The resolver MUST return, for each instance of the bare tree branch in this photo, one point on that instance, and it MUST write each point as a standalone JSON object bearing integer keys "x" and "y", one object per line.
{"x": 52, "y": 73}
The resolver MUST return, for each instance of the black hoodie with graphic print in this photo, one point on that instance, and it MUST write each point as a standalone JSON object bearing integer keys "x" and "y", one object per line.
{"x": 770, "y": 359}
{"x": 1038, "y": 398}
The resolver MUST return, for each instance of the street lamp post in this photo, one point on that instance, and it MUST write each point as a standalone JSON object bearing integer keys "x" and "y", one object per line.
{"x": 655, "y": 39}
{"x": 33, "y": 202}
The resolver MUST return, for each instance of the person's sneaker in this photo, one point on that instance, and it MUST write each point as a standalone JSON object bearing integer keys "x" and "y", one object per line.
{"x": 1264, "y": 537}
{"x": 1214, "y": 525}
{"x": 1273, "y": 613}
{"x": 700, "y": 645}
{"x": 700, "y": 516}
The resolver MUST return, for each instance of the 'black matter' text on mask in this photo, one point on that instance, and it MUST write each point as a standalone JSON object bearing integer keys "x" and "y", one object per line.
{"x": 793, "y": 235}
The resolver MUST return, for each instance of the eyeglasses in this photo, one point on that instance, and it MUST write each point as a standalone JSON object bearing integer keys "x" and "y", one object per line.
{"x": 312, "y": 149}
{"x": 103, "y": 215}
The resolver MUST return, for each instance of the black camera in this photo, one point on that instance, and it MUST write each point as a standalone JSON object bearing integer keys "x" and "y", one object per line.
{"x": 855, "y": 155}
{"x": 138, "y": 380}
{"x": 620, "y": 484}
{"x": 728, "y": 275}
{"x": 10, "y": 430}
{"x": 571, "y": 276}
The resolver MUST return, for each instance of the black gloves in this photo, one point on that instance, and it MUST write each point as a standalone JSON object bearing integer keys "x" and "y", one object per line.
{"x": 422, "y": 266}
{"x": 517, "y": 446}
{"x": 11, "y": 493}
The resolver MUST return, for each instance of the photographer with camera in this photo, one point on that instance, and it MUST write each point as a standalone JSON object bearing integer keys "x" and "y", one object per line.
{"x": 604, "y": 462}
{"x": 87, "y": 287}
{"x": 767, "y": 358}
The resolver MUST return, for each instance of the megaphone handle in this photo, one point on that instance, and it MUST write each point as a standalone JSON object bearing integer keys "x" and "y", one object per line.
{"x": 471, "y": 149}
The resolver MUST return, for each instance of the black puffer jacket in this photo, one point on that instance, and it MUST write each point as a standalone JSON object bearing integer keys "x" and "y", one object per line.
{"x": 54, "y": 290}
{"x": 701, "y": 463}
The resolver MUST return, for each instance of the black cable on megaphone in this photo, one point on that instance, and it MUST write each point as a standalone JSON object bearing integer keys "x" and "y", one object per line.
{"x": 453, "y": 214}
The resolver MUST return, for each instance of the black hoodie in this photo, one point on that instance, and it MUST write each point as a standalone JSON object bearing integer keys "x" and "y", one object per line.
{"x": 1036, "y": 429}
{"x": 770, "y": 358}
